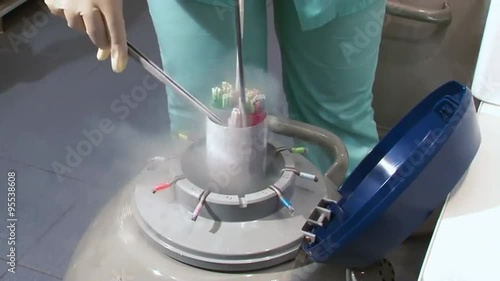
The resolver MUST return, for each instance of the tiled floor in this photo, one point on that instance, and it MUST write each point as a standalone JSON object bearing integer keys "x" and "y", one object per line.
{"x": 3, "y": 266}
{"x": 51, "y": 90}
{"x": 26, "y": 274}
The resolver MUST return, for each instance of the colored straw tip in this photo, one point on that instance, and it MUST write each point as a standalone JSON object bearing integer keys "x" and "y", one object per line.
{"x": 160, "y": 187}
{"x": 182, "y": 136}
{"x": 157, "y": 158}
{"x": 287, "y": 205}
{"x": 197, "y": 211}
{"x": 308, "y": 176}
{"x": 300, "y": 150}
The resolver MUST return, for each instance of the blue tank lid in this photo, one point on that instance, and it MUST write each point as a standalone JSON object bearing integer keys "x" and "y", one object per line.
{"x": 399, "y": 183}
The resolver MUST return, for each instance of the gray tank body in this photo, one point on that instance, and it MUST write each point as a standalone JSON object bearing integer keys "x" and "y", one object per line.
{"x": 145, "y": 236}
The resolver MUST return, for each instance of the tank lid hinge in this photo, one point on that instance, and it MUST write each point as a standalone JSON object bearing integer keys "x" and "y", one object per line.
{"x": 320, "y": 217}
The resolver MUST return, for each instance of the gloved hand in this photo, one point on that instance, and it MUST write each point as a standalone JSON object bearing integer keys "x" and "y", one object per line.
{"x": 102, "y": 20}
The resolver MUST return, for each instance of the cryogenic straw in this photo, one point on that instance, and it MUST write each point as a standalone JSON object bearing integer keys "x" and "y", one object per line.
{"x": 301, "y": 174}
{"x": 300, "y": 150}
{"x": 258, "y": 102}
{"x": 157, "y": 158}
{"x": 250, "y": 94}
{"x": 308, "y": 176}
{"x": 261, "y": 100}
{"x": 256, "y": 95}
{"x": 161, "y": 187}
{"x": 254, "y": 101}
{"x": 216, "y": 97}
{"x": 226, "y": 87}
{"x": 281, "y": 149}
{"x": 287, "y": 205}
{"x": 239, "y": 118}
{"x": 197, "y": 211}
{"x": 236, "y": 118}
{"x": 257, "y": 118}
{"x": 261, "y": 97}
{"x": 292, "y": 150}
{"x": 182, "y": 136}
{"x": 283, "y": 200}
{"x": 219, "y": 97}
{"x": 199, "y": 207}
{"x": 253, "y": 95}
{"x": 225, "y": 101}
{"x": 153, "y": 162}
{"x": 251, "y": 107}
{"x": 164, "y": 186}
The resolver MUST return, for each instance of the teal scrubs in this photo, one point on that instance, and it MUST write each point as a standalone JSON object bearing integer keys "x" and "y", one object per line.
{"x": 329, "y": 52}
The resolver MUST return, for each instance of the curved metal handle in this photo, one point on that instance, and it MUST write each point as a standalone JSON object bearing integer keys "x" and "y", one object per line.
{"x": 441, "y": 16}
{"x": 327, "y": 140}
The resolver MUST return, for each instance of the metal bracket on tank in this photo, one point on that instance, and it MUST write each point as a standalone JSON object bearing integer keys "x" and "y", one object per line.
{"x": 154, "y": 161}
{"x": 321, "y": 216}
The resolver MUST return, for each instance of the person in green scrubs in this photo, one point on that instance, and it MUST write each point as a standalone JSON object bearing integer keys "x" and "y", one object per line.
{"x": 329, "y": 53}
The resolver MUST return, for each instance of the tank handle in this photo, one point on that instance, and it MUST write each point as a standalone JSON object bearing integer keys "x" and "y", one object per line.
{"x": 327, "y": 140}
{"x": 439, "y": 16}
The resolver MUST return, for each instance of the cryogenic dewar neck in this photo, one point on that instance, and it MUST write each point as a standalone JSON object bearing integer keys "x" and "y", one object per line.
{"x": 234, "y": 150}
{"x": 237, "y": 153}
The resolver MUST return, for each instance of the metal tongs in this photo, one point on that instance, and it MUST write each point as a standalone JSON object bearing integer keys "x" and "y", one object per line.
{"x": 240, "y": 79}
{"x": 159, "y": 74}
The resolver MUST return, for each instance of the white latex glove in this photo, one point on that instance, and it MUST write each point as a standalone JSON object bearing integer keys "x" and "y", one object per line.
{"x": 102, "y": 20}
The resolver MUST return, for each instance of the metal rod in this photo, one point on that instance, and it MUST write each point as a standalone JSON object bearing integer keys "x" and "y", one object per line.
{"x": 159, "y": 74}
{"x": 239, "y": 63}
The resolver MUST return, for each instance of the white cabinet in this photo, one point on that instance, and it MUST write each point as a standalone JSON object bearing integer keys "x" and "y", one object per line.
{"x": 465, "y": 244}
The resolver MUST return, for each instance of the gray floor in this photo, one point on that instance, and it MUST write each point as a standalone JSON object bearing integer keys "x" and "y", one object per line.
{"x": 51, "y": 89}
